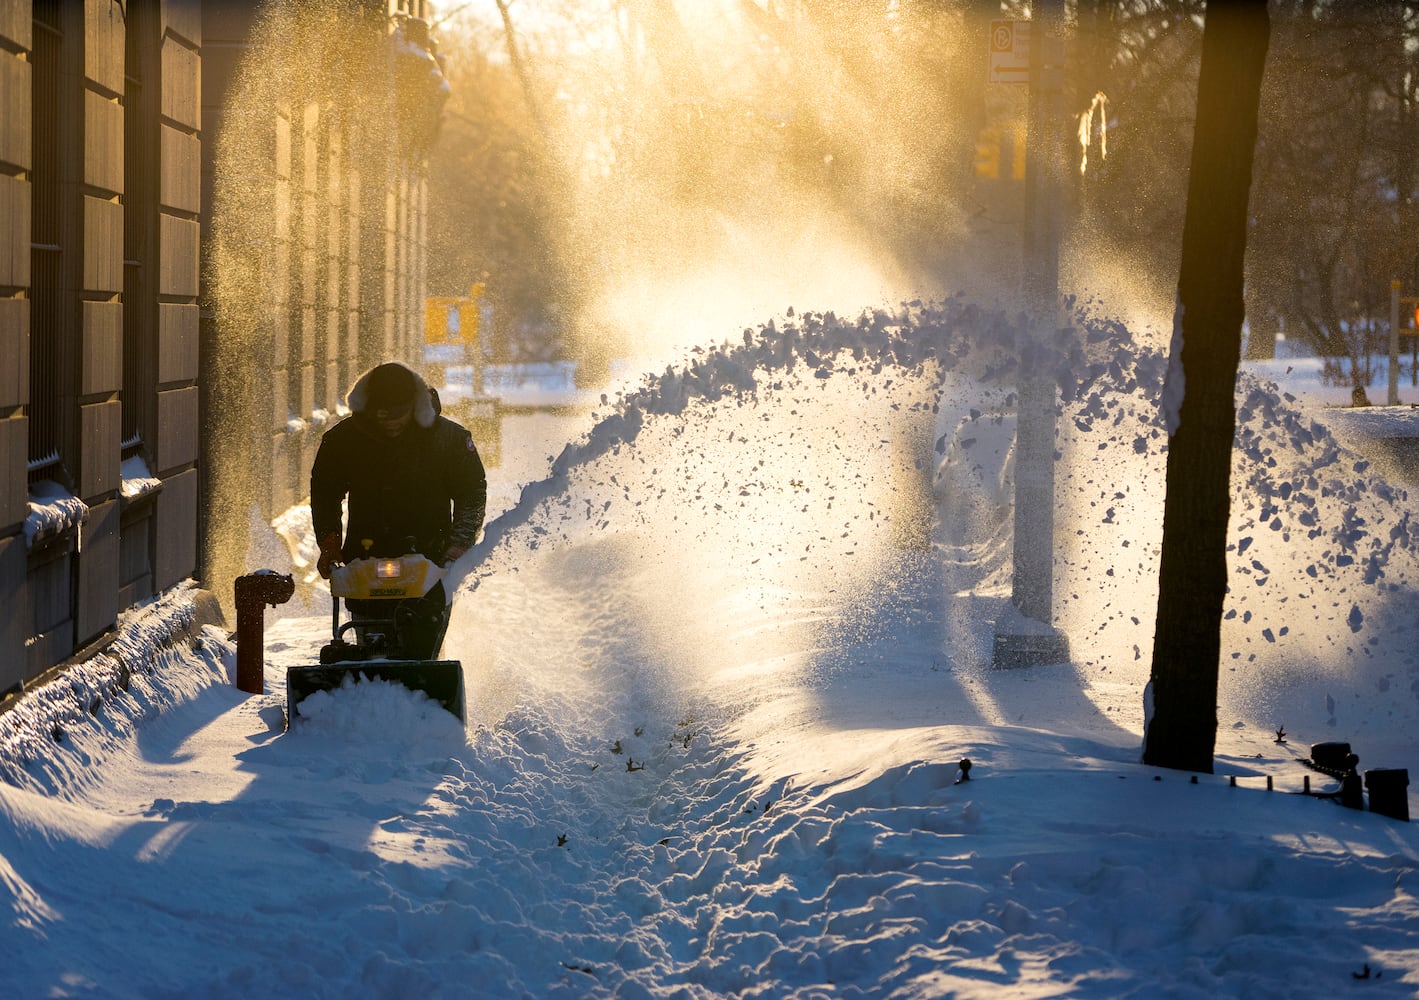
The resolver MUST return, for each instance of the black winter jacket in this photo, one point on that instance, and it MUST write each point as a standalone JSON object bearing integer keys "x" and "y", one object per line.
{"x": 428, "y": 484}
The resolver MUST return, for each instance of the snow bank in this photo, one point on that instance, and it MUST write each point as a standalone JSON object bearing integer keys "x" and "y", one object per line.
{"x": 164, "y": 654}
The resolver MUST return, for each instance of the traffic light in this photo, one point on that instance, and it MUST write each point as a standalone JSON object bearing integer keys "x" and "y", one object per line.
{"x": 988, "y": 153}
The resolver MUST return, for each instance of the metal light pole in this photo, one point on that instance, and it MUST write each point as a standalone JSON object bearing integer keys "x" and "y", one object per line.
{"x": 1394, "y": 342}
{"x": 1029, "y": 638}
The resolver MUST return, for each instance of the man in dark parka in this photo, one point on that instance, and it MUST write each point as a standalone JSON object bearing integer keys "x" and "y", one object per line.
{"x": 411, "y": 478}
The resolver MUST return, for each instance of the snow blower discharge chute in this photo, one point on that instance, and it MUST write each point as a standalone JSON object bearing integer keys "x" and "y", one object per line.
{"x": 395, "y": 647}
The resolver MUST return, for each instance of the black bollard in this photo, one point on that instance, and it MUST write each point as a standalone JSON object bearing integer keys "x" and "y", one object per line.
{"x": 1389, "y": 794}
{"x": 1330, "y": 756}
{"x": 1352, "y": 796}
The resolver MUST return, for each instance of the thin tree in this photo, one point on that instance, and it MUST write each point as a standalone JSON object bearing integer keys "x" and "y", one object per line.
{"x": 1199, "y": 398}
{"x": 519, "y": 66}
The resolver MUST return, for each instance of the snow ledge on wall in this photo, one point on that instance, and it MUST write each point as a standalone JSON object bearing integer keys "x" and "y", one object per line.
{"x": 137, "y": 481}
{"x": 53, "y": 512}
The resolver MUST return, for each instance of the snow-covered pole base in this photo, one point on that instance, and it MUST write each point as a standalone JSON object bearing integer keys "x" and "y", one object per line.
{"x": 1022, "y": 641}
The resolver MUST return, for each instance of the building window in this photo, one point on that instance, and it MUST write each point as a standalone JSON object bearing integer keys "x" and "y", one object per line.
{"x": 46, "y": 249}
{"x": 140, "y": 174}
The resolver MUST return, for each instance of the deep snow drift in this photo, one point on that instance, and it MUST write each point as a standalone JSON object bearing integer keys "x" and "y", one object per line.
{"x": 723, "y": 662}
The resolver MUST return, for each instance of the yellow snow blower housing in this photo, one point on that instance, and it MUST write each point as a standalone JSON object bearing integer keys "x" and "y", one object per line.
{"x": 396, "y": 629}
{"x": 385, "y": 579}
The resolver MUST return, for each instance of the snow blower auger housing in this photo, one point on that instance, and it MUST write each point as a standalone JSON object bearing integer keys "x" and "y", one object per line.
{"x": 396, "y": 646}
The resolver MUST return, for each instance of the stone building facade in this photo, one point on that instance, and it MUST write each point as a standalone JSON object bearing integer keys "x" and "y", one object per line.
{"x": 113, "y": 424}
{"x": 315, "y": 207}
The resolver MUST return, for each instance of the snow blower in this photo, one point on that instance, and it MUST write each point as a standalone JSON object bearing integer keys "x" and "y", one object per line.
{"x": 396, "y": 647}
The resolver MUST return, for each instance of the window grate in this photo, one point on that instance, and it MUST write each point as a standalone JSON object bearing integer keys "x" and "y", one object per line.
{"x": 140, "y": 142}
{"x": 46, "y": 245}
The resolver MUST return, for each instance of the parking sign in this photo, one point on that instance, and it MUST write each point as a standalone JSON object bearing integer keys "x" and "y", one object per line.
{"x": 1009, "y": 52}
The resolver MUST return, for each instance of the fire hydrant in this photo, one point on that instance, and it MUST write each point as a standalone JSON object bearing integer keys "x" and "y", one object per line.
{"x": 253, "y": 592}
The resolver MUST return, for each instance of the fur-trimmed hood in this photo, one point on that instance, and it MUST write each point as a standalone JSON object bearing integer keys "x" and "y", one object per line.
{"x": 425, "y": 409}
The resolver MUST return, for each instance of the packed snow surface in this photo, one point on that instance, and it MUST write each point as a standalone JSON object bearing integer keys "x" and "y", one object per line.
{"x": 724, "y": 662}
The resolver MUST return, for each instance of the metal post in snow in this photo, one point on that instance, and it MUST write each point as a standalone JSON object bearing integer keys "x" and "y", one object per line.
{"x": 1029, "y": 637}
{"x": 1394, "y": 342}
{"x": 254, "y": 592}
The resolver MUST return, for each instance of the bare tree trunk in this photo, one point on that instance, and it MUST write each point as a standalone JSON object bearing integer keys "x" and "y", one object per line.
{"x": 1182, "y": 729}
{"x": 519, "y": 67}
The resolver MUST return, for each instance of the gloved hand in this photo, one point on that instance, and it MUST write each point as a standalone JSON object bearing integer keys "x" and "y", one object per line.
{"x": 329, "y": 555}
{"x": 452, "y": 554}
